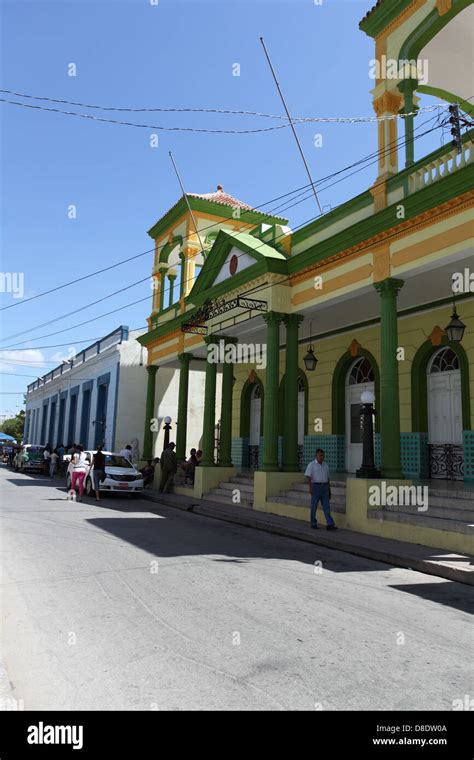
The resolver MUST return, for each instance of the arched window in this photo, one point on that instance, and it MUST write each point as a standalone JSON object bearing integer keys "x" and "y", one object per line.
{"x": 444, "y": 361}
{"x": 301, "y": 385}
{"x": 361, "y": 372}
{"x": 256, "y": 391}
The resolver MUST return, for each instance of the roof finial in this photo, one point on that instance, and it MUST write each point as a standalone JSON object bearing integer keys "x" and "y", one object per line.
{"x": 219, "y": 188}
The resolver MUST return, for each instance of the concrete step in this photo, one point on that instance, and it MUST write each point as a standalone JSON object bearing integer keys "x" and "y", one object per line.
{"x": 443, "y": 513}
{"x": 231, "y": 485}
{"x": 335, "y": 492}
{"x": 225, "y": 498}
{"x": 422, "y": 521}
{"x": 305, "y": 498}
{"x": 336, "y": 506}
{"x": 448, "y": 501}
{"x": 335, "y": 487}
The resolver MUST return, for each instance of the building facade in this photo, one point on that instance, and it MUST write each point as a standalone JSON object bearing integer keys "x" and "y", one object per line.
{"x": 368, "y": 289}
{"x": 98, "y": 397}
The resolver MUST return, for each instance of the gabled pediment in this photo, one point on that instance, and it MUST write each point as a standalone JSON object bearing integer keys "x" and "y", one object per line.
{"x": 232, "y": 256}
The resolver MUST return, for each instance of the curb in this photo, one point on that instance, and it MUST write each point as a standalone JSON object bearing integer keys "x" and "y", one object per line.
{"x": 428, "y": 567}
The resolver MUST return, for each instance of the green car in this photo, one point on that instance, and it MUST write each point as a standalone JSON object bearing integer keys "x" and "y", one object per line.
{"x": 30, "y": 458}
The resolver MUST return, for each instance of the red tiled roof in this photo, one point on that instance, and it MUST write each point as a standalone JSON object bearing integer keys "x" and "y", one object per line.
{"x": 219, "y": 196}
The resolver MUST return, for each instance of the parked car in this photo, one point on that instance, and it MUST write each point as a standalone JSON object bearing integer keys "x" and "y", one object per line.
{"x": 120, "y": 475}
{"x": 30, "y": 457}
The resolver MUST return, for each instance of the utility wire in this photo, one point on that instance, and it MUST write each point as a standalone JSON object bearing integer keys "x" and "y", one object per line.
{"x": 146, "y": 297}
{"x": 301, "y": 119}
{"x": 151, "y": 250}
{"x": 250, "y": 226}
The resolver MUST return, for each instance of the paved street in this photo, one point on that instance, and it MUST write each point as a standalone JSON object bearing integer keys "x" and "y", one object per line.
{"x": 130, "y": 605}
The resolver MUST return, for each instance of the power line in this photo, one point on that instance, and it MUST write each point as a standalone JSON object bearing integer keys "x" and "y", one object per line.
{"x": 15, "y": 374}
{"x": 300, "y": 119}
{"x": 86, "y": 306}
{"x": 151, "y": 250}
{"x": 257, "y": 288}
{"x": 136, "y": 256}
{"x": 133, "y": 303}
{"x": 145, "y": 126}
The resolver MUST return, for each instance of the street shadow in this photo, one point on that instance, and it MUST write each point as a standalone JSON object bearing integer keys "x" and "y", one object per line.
{"x": 177, "y": 535}
{"x": 448, "y": 594}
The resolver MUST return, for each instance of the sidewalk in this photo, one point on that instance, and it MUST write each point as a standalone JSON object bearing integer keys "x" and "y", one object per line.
{"x": 425, "y": 559}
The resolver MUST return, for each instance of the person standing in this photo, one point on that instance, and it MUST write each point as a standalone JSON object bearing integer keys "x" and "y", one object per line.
{"x": 60, "y": 450}
{"x": 317, "y": 476}
{"x": 53, "y": 464}
{"x": 79, "y": 467}
{"x": 126, "y": 453}
{"x": 99, "y": 470}
{"x": 169, "y": 466}
{"x": 46, "y": 459}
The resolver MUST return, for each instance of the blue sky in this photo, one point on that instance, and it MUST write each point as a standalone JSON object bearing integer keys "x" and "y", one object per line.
{"x": 174, "y": 54}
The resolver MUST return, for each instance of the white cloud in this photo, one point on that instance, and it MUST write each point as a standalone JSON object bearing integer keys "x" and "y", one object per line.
{"x": 16, "y": 361}
{"x": 60, "y": 356}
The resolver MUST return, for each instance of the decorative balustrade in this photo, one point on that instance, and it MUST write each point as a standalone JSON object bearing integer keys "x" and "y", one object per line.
{"x": 441, "y": 167}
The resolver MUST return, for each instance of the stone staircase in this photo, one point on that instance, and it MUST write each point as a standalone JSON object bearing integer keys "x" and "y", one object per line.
{"x": 242, "y": 482}
{"x": 298, "y": 495}
{"x": 448, "y": 509}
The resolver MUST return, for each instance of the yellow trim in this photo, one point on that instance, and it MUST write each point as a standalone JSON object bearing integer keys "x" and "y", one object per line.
{"x": 343, "y": 281}
{"x": 443, "y": 6}
{"x": 435, "y": 243}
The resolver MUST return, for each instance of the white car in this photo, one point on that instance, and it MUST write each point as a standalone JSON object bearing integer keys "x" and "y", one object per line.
{"x": 120, "y": 475}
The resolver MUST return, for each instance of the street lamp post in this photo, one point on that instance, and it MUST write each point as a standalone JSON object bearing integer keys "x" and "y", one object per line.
{"x": 167, "y": 429}
{"x": 367, "y": 469}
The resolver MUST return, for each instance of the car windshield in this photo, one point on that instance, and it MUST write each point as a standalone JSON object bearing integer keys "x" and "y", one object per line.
{"x": 114, "y": 460}
{"x": 34, "y": 449}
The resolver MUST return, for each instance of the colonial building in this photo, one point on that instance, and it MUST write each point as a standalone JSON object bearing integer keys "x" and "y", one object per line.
{"x": 98, "y": 397}
{"x": 367, "y": 288}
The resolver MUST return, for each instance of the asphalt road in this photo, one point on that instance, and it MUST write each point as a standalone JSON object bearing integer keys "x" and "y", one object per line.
{"x": 133, "y": 605}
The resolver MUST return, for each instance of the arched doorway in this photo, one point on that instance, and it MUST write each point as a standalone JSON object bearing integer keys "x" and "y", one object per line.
{"x": 445, "y": 424}
{"x": 360, "y": 378}
{"x": 255, "y": 425}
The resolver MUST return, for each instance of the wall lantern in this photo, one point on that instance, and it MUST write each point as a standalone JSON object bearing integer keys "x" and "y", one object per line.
{"x": 310, "y": 359}
{"x": 455, "y": 329}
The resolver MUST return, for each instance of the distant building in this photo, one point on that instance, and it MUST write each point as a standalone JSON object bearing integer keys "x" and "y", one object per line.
{"x": 98, "y": 397}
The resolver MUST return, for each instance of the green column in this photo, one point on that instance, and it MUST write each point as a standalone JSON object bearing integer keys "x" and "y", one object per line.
{"x": 162, "y": 272}
{"x": 290, "y": 412}
{"x": 225, "y": 458}
{"x": 171, "y": 279}
{"x": 208, "y": 433}
{"x": 149, "y": 412}
{"x": 183, "y": 274}
{"x": 270, "y": 406}
{"x": 389, "y": 389}
{"x": 408, "y": 87}
{"x": 182, "y": 423}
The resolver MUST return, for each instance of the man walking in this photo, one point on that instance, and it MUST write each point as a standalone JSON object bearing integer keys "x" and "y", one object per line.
{"x": 169, "y": 466}
{"x": 317, "y": 476}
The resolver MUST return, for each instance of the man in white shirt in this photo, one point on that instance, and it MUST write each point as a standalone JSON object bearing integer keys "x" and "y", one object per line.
{"x": 127, "y": 453}
{"x": 317, "y": 476}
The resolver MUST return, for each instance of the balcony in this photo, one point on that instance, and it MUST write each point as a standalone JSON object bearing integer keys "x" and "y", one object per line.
{"x": 441, "y": 166}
